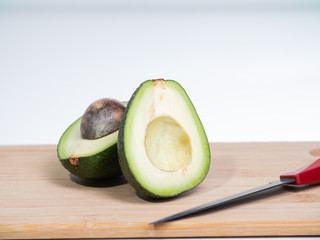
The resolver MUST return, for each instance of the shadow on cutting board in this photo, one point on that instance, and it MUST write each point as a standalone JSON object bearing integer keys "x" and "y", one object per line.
{"x": 60, "y": 176}
{"x": 99, "y": 183}
{"x": 116, "y": 188}
{"x": 221, "y": 170}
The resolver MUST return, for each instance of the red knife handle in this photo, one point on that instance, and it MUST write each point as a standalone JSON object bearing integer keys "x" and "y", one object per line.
{"x": 309, "y": 174}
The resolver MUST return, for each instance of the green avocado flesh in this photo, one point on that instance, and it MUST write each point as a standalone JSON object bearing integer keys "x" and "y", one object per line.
{"x": 162, "y": 146}
{"x": 89, "y": 159}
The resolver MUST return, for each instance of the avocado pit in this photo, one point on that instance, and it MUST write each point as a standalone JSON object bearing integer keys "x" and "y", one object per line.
{"x": 101, "y": 118}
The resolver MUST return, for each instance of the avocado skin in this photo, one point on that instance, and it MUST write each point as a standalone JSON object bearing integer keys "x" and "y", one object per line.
{"x": 98, "y": 166}
{"x": 101, "y": 165}
{"x": 125, "y": 168}
{"x": 122, "y": 154}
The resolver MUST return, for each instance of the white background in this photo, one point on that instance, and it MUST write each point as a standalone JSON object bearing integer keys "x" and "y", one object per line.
{"x": 251, "y": 68}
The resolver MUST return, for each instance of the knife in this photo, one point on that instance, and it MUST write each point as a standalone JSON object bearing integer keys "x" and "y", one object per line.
{"x": 309, "y": 174}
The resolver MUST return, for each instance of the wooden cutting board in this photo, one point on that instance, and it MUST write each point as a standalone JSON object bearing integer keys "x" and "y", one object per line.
{"x": 38, "y": 199}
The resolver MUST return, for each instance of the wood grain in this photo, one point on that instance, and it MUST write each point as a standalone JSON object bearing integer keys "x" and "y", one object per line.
{"x": 40, "y": 200}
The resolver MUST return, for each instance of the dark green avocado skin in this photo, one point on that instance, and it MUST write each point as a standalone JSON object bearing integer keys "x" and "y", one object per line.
{"x": 101, "y": 165}
{"x": 98, "y": 166}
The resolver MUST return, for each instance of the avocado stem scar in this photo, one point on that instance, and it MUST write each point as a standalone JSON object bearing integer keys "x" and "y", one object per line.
{"x": 160, "y": 82}
{"x": 157, "y": 80}
{"x": 74, "y": 161}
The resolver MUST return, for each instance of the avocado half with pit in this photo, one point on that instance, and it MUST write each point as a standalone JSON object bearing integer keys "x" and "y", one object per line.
{"x": 89, "y": 159}
{"x": 162, "y": 146}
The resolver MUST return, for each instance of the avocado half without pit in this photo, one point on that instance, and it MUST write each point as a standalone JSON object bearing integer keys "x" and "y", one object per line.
{"x": 163, "y": 149}
{"x": 88, "y": 148}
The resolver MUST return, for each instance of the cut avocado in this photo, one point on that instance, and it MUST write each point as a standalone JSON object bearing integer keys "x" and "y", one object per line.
{"x": 162, "y": 146}
{"x": 89, "y": 159}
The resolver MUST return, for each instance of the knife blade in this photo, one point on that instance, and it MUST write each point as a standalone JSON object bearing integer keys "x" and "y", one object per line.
{"x": 309, "y": 174}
